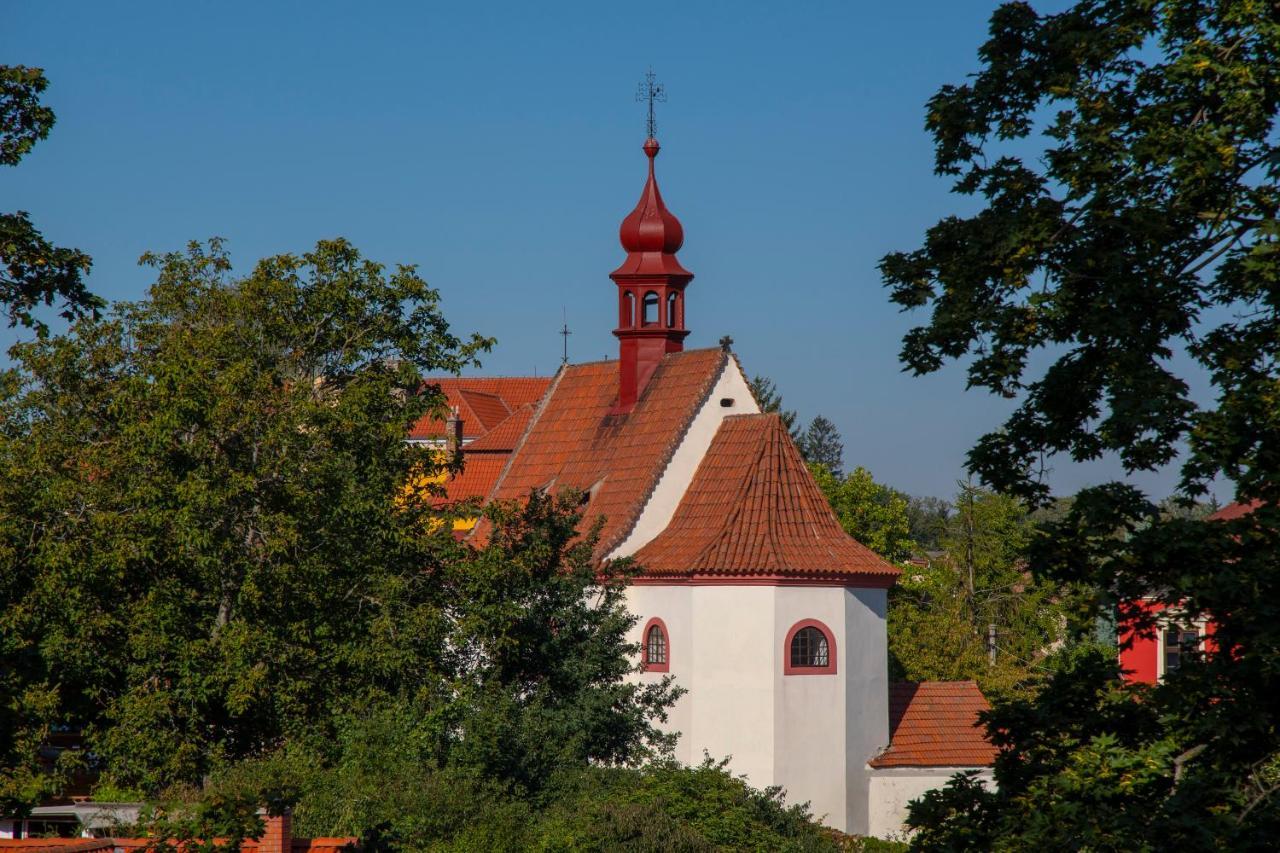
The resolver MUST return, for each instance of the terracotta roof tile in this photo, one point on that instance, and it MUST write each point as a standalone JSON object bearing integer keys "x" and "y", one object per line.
{"x": 574, "y": 442}
{"x": 753, "y": 508}
{"x": 504, "y": 437}
{"x": 935, "y": 724}
{"x": 487, "y": 408}
{"x": 1235, "y": 510}
{"x": 480, "y": 472}
{"x": 475, "y": 398}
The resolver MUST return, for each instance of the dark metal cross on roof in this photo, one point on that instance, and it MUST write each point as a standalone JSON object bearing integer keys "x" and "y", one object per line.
{"x": 564, "y": 330}
{"x": 651, "y": 90}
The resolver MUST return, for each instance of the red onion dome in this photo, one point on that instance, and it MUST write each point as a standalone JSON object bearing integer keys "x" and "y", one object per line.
{"x": 651, "y": 227}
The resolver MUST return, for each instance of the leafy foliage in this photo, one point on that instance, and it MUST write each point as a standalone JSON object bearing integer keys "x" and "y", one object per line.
{"x": 940, "y": 615}
{"x": 381, "y": 779}
{"x": 1144, "y": 228}
{"x": 208, "y": 557}
{"x": 32, "y": 270}
{"x": 928, "y": 517}
{"x": 870, "y": 512}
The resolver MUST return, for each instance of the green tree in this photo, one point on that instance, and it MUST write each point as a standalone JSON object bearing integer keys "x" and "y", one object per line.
{"x": 208, "y": 554}
{"x": 766, "y": 394}
{"x": 821, "y": 444}
{"x": 941, "y": 616}
{"x": 928, "y": 517}
{"x": 32, "y": 270}
{"x": 870, "y": 512}
{"x": 1142, "y": 225}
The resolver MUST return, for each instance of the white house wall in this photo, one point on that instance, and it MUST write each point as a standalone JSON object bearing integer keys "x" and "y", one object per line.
{"x": 892, "y": 788}
{"x": 678, "y": 474}
{"x": 867, "y": 693}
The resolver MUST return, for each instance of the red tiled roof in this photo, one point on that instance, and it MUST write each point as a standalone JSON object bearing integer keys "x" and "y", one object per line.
{"x": 487, "y": 408}
{"x": 504, "y": 437}
{"x": 479, "y": 473}
{"x": 574, "y": 442}
{"x": 753, "y": 508}
{"x": 935, "y": 724}
{"x": 1235, "y": 510}
{"x": 482, "y": 402}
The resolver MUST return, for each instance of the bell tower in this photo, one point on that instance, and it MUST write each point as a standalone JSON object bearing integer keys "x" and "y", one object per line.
{"x": 651, "y": 285}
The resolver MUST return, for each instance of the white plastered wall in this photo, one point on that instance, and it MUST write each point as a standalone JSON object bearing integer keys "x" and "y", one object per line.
{"x": 675, "y": 479}
{"x": 892, "y": 788}
{"x": 811, "y": 734}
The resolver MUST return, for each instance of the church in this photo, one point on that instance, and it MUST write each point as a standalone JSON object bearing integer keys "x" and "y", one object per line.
{"x": 751, "y": 596}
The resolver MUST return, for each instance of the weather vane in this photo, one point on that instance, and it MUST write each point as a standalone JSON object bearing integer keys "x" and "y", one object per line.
{"x": 651, "y": 90}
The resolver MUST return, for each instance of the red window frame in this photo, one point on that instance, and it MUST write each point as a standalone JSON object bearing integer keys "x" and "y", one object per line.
{"x": 664, "y": 666}
{"x": 829, "y": 669}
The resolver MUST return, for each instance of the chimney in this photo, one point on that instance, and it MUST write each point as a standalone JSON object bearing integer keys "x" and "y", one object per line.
{"x": 278, "y": 835}
{"x": 453, "y": 434}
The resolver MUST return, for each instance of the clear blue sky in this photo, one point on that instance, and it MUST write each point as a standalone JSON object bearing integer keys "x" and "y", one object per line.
{"x": 497, "y": 146}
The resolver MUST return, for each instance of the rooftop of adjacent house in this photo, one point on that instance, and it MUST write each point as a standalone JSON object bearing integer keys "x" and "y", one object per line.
{"x": 753, "y": 508}
{"x": 935, "y": 724}
{"x": 482, "y": 402}
{"x": 1234, "y": 510}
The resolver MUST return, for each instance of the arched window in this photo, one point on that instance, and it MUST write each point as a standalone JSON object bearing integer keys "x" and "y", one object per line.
{"x": 628, "y": 318}
{"x": 810, "y": 649}
{"x": 655, "y": 652}
{"x": 671, "y": 311}
{"x": 650, "y": 309}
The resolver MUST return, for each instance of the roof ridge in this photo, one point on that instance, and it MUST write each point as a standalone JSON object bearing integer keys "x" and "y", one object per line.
{"x": 669, "y": 451}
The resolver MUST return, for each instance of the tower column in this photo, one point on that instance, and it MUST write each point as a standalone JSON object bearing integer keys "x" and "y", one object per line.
{"x": 648, "y": 328}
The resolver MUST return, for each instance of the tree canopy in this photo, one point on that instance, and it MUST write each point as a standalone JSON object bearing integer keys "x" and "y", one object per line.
{"x": 820, "y": 443}
{"x": 32, "y": 270}
{"x": 1123, "y": 155}
{"x": 207, "y": 556}
{"x": 870, "y": 512}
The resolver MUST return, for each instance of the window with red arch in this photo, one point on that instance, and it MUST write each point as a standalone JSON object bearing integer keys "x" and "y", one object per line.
{"x": 810, "y": 649}
{"x": 655, "y": 647}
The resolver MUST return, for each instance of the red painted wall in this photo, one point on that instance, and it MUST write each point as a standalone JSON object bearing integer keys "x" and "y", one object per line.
{"x": 1139, "y": 653}
{"x": 1140, "y": 661}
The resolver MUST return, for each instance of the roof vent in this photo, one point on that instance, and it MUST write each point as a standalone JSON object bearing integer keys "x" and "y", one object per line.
{"x": 726, "y": 402}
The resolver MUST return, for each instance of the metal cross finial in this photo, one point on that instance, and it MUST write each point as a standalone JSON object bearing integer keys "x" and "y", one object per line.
{"x": 564, "y": 331}
{"x": 650, "y": 90}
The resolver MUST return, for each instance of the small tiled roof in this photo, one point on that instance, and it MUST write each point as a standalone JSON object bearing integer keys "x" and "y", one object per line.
{"x": 574, "y": 441}
{"x": 482, "y": 402}
{"x": 935, "y": 724}
{"x": 504, "y": 437}
{"x": 752, "y": 509}
{"x": 484, "y": 407}
{"x": 1235, "y": 510}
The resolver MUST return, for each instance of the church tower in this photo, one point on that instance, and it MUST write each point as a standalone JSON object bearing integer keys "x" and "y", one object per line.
{"x": 651, "y": 285}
